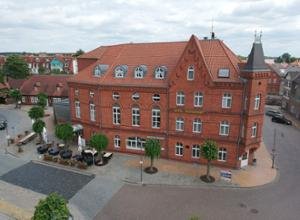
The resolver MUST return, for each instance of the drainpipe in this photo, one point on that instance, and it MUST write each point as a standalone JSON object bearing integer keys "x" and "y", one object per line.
{"x": 244, "y": 81}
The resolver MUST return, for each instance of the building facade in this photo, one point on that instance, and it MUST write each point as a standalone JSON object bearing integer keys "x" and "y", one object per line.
{"x": 180, "y": 93}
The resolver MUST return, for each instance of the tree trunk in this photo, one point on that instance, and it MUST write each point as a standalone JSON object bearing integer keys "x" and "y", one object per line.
{"x": 208, "y": 170}
{"x": 41, "y": 138}
{"x": 151, "y": 164}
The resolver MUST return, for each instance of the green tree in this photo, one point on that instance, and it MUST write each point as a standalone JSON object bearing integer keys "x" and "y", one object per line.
{"x": 285, "y": 58}
{"x": 38, "y": 127}
{"x": 99, "y": 142}
{"x": 78, "y": 53}
{"x": 64, "y": 132}
{"x": 16, "y": 67}
{"x": 1, "y": 76}
{"x": 42, "y": 70}
{"x": 152, "y": 150}
{"x": 56, "y": 71}
{"x": 42, "y": 100}
{"x": 53, "y": 207}
{"x": 209, "y": 151}
{"x": 36, "y": 112}
{"x": 16, "y": 95}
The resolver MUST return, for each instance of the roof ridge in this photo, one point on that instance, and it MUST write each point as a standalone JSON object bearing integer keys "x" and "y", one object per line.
{"x": 226, "y": 52}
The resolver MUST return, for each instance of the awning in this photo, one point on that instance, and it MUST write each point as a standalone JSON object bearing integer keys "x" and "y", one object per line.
{"x": 77, "y": 127}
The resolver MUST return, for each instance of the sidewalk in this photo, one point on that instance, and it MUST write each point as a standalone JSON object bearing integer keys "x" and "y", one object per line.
{"x": 251, "y": 176}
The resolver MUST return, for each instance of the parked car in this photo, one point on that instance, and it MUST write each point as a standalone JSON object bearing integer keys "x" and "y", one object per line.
{"x": 53, "y": 151}
{"x": 281, "y": 120}
{"x": 3, "y": 124}
{"x": 42, "y": 149}
{"x": 273, "y": 113}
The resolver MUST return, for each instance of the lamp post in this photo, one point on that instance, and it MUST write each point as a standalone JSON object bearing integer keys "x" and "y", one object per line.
{"x": 141, "y": 166}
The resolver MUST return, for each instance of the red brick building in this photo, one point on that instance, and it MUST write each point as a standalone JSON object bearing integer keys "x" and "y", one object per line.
{"x": 274, "y": 82}
{"x": 178, "y": 92}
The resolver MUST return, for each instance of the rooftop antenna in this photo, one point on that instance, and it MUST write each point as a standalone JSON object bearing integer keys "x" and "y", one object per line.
{"x": 212, "y": 29}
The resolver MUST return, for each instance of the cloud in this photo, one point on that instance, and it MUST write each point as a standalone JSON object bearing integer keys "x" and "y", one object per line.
{"x": 67, "y": 25}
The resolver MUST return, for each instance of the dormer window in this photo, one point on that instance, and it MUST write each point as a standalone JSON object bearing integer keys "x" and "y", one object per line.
{"x": 223, "y": 73}
{"x": 160, "y": 72}
{"x": 140, "y": 72}
{"x": 100, "y": 70}
{"x": 120, "y": 71}
{"x": 190, "y": 73}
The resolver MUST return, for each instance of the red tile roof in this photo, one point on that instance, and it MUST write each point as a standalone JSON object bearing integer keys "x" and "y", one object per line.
{"x": 51, "y": 85}
{"x": 15, "y": 83}
{"x": 216, "y": 55}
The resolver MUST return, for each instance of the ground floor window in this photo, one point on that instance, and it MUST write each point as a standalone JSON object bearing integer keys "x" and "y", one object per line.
{"x": 33, "y": 99}
{"x": 23, "y": 99}
{"x": 222, "y": 154}
{"x": 179, "y": 149}
{"x": 117, "y": 141}
{"x": 135, "y": 143}
{"x": 196, "y": 151}
{"x": 55, "y": 100}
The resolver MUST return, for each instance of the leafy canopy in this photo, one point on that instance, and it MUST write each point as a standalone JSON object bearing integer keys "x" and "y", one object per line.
{"x": 42, "y": 100}
{"x": 1, "y": 76}
{"x": 36, "y": 112}
{"x": 64, "y": 132}
{"x": 99, "y": 142}
{"x": 152, "y": 148}
{"x": 52, "y": 207}
{"x": 16, "y": 67}
{"x": 78, "y": 53}
{"x": 15, "y": 94}
{"x": 38, "y": 126}
{"x": 285, "y": 58}
{"x": 209, "y": 150}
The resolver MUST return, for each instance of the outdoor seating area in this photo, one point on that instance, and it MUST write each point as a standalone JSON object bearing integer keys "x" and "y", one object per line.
{"x": 82, "y": 160}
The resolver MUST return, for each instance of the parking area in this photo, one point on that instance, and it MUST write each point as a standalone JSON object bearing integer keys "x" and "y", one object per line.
{"x": 46, "y": 179}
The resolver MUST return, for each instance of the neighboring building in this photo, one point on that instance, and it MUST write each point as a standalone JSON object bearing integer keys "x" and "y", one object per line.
{"x": 180, "y": 93}
{"x": 54, "y": 86}
{"x": 61, "y": 111}
{"x": 56, "y": 64}
{"x": 274, "y": 82}
{"x": 290, "y": 98}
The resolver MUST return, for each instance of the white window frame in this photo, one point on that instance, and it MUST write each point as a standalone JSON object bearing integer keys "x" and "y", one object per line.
{"x": 119, "y": 72}
{"x": 116, "y": 115}
{"x": 257, "y": 102}
{"x": 226, "y": 100}
{"x": 136, "y": 116}
{"x": 179, "y": 124}
{"x": 224, "y": 128}
{"x": 92, "y": 112}
{"x": 135, "y": 96}
{"x": 77, "y": 109}
{"x": 254, "y": 130}
{"x": 190, "y": 73}
{"x": 33, "y": 99}
{"x": 197, "y": 125}
{"x": 135, "y": 143}
{"x": 222, "y": 154}
{"x": 156, "y": 119}
{"x": 198, "y": 99}
{"x": 117, "y": 141}
{"x": 180, "y": 98}
{"x": 139, "y": 73}
{"x": 196, "y": 151}
{"x": 179, "y": 149}
{"x": 115, "y": 95}
{"x": 160, "y": 73}
{"x": 156, "y": 97}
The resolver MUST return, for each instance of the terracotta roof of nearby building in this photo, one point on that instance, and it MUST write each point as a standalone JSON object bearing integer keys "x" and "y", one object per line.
{"x": 4, "y": 86}
{"x": 15, "y": 83}
{"x": 215, "y": 53}
{"x": 51, "y": 85}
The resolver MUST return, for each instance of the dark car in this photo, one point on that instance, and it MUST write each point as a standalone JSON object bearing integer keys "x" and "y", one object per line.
{"x": 273, "y": 113}
{"x": 53, "y": 151}
{"x": 3, "y": 124}
{"x": 42, "y": 149}
{"x": 281, "y": 120}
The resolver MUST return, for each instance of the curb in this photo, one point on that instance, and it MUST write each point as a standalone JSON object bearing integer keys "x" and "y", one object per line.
{"x": 70, "y": 169}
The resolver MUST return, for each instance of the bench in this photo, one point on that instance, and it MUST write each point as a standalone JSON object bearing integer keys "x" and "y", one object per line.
{"x": 26, "y": 139}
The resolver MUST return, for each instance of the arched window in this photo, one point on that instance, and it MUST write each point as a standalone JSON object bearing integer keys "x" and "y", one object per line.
{"x": 120, "y": 71}
{"x": 198, "y": 99}
{"x": 196, "y": 151}
{"x": 180, "y": 98}
{"x": 222, "y": 154}
{"x": 135, "y": 96}
{"x": 190, "y": 73}
{"x": 179, "y": 149}
{"x": 197, "y": 125}
{"x": 156, "y": 97}
{"x": 155, "y": 117}
{"x": 224, "y": 128}
{"x": 116, "y": 110}
{"x": 179, "y": 124}
{"x": 136, "y": 117}
{"x": 140, "y": 72}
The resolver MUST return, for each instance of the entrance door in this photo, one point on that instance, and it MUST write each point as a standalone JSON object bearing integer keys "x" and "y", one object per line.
{"x": 244, "y": 161}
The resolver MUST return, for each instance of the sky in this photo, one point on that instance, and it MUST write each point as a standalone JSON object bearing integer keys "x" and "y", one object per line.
{"x": 67, "y": 25}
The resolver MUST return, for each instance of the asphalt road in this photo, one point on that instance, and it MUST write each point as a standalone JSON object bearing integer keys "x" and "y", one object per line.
{"x": 278, "y": 200}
